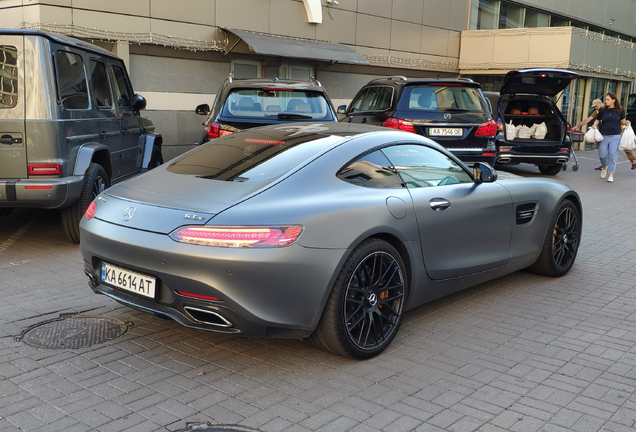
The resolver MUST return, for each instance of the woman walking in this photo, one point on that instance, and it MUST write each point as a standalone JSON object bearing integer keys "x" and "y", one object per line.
{"x": 611, "y": 118}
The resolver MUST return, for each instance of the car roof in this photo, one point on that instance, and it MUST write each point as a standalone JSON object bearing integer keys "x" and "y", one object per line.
{"x": 61, "y": 39}
{"x": 401, "y": 80}
{"x": 274, "y": 84}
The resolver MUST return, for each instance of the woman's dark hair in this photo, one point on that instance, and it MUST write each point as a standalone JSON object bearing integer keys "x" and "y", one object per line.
{"x": 617, "y": 105}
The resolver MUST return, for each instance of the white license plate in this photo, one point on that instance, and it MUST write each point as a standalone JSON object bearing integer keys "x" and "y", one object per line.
{"x": 445, "y": 132}
{"x": 128, "y": 280}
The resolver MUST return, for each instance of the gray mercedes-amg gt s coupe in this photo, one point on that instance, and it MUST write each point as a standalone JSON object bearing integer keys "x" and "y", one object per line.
{"x": 327, "y": 231}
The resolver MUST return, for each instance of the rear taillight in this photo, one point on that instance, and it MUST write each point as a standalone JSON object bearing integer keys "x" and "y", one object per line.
{"x": 214, "y": 131}
{"x": 90, "y": 211}
{"x": 500, "y": 127}
{"x": 236, "y": 236}
{"x": 569, "y": 127}
{"x": 396, "y": 123}
{"x": 44, "y": 169}
{"x": 564, "y": 150}
{"x": 487, "y": 129}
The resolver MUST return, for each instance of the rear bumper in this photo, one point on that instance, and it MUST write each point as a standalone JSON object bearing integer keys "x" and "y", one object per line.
{"x": 514, "y": 159}
{"x": 261, "y": 292}
{"x": 470, "y": 155}
{"x": 40, "y": 193}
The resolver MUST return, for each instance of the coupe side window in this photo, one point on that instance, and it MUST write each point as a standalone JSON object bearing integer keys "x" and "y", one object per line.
{"x": 372, "y": 170}
{"x": 71, "y": 80}
{"x": 421, "y": 166}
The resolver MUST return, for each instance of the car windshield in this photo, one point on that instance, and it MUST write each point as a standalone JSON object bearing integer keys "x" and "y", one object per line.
{"x": 442, "y": 98}
{"x": 276, "y": 104}
{"x": 254, "y": 156}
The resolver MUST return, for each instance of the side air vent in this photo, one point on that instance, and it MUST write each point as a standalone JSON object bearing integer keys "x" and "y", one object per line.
{"x": 525, "y": 213}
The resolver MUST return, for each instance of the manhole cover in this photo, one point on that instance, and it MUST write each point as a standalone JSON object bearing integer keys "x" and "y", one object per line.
{"x": 74, "y": 333}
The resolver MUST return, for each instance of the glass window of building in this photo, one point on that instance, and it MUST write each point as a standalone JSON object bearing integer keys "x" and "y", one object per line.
{"x": 511, "y": 16}
{"x": 534, "y": 18}
{"x": 484, "y": 14}
{"x": 557, "y": 21}
{"x": 246, "y": 69}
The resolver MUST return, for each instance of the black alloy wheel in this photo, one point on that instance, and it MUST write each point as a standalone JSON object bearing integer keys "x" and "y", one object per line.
{"x": 364, "y": 310}
{"x": 561, "y": 243}
{"x": 374, "y": 301}
{"x": 565, "y": 238}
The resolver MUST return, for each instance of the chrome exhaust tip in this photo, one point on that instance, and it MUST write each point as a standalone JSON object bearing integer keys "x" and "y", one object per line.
{"x": 209, "y": 317}
{"x": 92, "y": 280}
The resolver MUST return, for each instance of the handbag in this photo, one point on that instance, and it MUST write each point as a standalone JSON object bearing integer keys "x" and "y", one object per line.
{"x": 628, "y": 139}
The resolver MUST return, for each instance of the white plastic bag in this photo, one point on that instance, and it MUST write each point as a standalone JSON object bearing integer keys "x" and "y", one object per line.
{"x": 540, "y": 131}
{"x": 511, "y": 132}
{"x": 628, "y": 140}
{"x": 524, "y": 132}
{"x": 593, "y": 135}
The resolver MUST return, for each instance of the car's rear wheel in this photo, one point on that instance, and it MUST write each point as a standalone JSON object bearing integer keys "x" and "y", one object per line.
{"x": 561, "y": 242}
{"x": 95, "y": 182}
{"x": 365, "y": 307}
{"x": 156, "y": 158}
{"x": 550, "y": 169}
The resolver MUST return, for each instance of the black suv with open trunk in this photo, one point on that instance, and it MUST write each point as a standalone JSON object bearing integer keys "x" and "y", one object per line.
{"x": 527, "y": 99}
{"x": 451, "y": 111}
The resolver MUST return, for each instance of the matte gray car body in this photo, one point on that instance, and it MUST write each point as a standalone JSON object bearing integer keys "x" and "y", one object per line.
{"x": 282, "y": 291}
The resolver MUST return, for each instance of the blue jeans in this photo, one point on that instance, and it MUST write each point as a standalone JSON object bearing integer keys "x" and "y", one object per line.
{"x": 609, "y": 147}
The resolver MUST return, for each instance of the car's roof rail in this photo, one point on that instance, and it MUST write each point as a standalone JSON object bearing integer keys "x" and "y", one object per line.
{"x": 390, "y": 78}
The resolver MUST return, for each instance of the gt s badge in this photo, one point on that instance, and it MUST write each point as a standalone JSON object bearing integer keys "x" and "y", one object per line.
{"x": 194, "y": 217}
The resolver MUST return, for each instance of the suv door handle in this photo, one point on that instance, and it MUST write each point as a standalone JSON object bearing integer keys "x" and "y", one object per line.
{"x": 439, "y": 204}
{"x": 124, "y": 132}
{"x": 8, "y": 140}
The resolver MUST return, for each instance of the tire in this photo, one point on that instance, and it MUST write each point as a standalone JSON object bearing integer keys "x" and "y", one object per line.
{"x": 374, "y": 313}
{"x": 550, "y": 169}
{"x": 95, "y": 181}
{"x": 561, "y": 242}
{"x": 156, "y": 158}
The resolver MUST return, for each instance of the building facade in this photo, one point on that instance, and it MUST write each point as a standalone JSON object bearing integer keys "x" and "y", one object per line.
{"x": 179, "y": 53}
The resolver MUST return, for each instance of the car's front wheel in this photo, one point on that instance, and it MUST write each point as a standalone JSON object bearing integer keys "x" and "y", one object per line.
{"x": 550, "y": 169}
{"x": 561, "y": 242}
{"x": 95, "y": 182}
{"x": 365, "y": 307}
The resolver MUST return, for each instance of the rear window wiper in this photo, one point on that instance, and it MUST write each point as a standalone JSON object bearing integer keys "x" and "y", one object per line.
{"x": 283, "y": 116}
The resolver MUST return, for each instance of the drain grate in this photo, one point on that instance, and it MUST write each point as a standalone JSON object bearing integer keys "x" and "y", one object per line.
{"x": 74, "y": 333}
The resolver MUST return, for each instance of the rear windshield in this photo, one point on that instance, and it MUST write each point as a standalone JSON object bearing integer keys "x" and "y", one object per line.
{"x": 8, "y": 76}
{"x": 252, "y": 156}
{"x": 273, "y": 104}
{"x": 442, "y": 98}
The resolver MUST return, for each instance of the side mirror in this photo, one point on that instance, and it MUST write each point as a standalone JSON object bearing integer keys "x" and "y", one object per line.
{"x": 139, "y": 102}
{"x": 483, "y": 172}
{"x": 342, "y": 109}
{"x": 203, "y": 109}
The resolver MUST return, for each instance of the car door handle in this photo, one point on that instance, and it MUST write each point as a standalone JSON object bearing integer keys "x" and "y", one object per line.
{"x": 124, "y": 132}
{"x": 439, "y": 204}
{"x": 8, "y": 140}
{"x": 364, "y": 120}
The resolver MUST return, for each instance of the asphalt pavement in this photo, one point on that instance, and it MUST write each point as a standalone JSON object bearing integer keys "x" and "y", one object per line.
{"x": 520, "y": 353}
